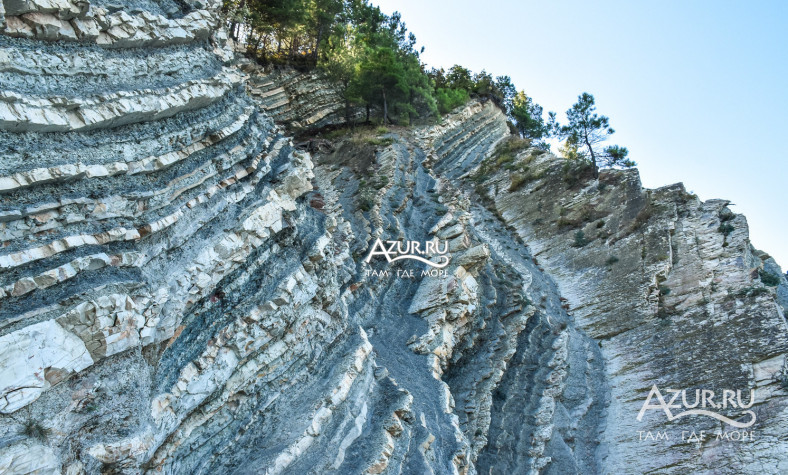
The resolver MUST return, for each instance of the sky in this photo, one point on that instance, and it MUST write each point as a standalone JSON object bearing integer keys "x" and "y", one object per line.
{"x": 696, "y": 90}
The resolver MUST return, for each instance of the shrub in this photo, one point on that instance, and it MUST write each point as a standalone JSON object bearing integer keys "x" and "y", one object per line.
{"x": 611, "y": 260}
{"x": 35, "y": 430}
{"x": 382, "y": 181}
{"x": 337, "y": 133}
{"x": 380, "y": 142}
{"x": 664, "y": 290}
{"x": 481, "y": 190}
{"x": 577, "y": 171}
{"x": 381, "y": 130}
{"x": 768, "y": 278}
{"x": 518, "y": 180}
{"x": 580, "y": 239}
{"x": 750, "y": 292}
{"x": 507, "y": 149}
{"x": 588, "y": 214}
{"x": 564, "y": 222}
{"x": 504, "y": 159}
{"x": 449, "y": 99}
{"x": 644, "y": 215}
{"x": 664, "y": 315}
{"x": 600, "y": 224}
{"x": 480, "y": 177}
{"x": 726, "y": 229}
{"x": 365, "y": 203}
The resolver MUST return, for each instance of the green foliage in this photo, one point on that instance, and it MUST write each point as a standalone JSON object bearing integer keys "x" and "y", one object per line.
{"x": 564, "y": 222}
{"x": 503, "y": 156}
{"x": 749, "y": 292}
{"x": 370, "y": 56}
{"x": 35, "y": 430}
{"x": 507, "y": 149}
{"x": 294, "y": 32}
{"x": 528, "y": 117}
{"x": 726, "y": 229}
{"x": 616, "y": 156}
{"x": 337, "y": 133}
{"x": 585, "y": 131}
{"x": 580, "y": 239}
{"x": 768, "y": 278}
{"x": 449, "y": 99}
{"x": 381, "y": 182}
{"x": 365, "y": 203}
{"x": 456, "y": 86}
{"x": 664, "y": 290}
{"x": 391, "y": 76}
{"x": 481, "y": 190}
{"x": 372, "y": 59}
{"x": 611, "y": 260}
{"x": 380, "y": 142}
{"x": 518, "y": 180}
{"x": 576, "y": 171}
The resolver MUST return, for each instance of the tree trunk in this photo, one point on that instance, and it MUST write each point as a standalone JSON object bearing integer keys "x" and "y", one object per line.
{"x": 593, "y": 157}
{"x": 410, "y": 112}
{"x": 317, "y": 42}
{"x": 237, "y": 26}
{"x": 265, "y": 49}
{"x": 347, "y": 102}
{"x": 257, "y": 44}
{"x": 385, "y": 108}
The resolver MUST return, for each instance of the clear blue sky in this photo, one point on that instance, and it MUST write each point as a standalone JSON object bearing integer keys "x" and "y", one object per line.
{"x": 697, "y": 90}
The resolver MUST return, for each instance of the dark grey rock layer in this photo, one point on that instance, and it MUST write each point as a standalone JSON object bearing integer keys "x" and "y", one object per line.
{"x": 184, "y": 291}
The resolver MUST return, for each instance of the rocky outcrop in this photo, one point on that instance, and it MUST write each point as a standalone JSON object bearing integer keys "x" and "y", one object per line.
{"x": 109, "y": 25}
{"x": 184, "y": 290}
{"x": 673, "y": 292}
{"x": 491, "y": 343}
{"x": 168, "y": 296}
{"x": 298, "y": 101}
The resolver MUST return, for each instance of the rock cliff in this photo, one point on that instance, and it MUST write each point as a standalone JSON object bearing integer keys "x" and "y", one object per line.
{"x": 185, "y": 291}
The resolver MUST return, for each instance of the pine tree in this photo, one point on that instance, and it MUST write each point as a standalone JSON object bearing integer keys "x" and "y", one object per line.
{"x": 586, "y": 130}
{"x": 528, "y": 117}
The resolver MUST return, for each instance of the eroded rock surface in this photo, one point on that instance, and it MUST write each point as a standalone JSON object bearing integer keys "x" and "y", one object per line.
{"x": 184, "y": 291}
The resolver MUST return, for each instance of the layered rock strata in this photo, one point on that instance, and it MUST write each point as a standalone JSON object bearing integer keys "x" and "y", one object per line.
{"x": 169, "y": 300}
{"x": 184, "y": 291}
{"x": 298, "y": 101}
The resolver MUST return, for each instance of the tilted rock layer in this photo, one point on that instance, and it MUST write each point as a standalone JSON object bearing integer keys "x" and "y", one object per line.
{"x": 184, "y": 291}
